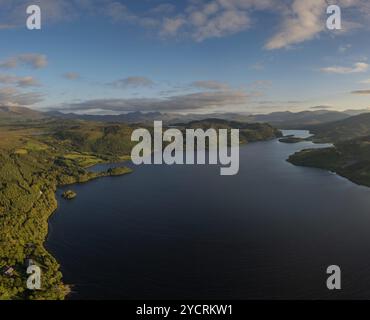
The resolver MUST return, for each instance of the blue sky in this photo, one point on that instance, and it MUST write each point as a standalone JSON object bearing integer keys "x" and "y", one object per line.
{"x": 107, "y": 56}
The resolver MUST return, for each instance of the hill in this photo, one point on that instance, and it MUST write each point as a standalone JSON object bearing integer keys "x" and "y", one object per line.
{"x": 249, "y": 132}
{"x": 299, "y": 120}
{"x": 350, "y": 159}
{"x": 149, "y": 117}
{"x": 85, "y": 136}
{"x": 350, "y": 155}
{"x": 346, "y": 129}
{"x": 20, "y": 113}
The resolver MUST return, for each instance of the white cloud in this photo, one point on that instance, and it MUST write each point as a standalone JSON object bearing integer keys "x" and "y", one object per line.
{"x": 306, "y": 19}
{"x": 357, "y": 68}
{"x": 9, "y": 63}
{"x": 222, "y": 24}
{"x": 210, "y": 85}
{"x": 132, "y": 82}
{"x": 213, "y": 19}
{"x": 193, "y": 101}
{"x": 117, "y": 11}
{"x": 12, "y": 97}
{"x": 27, "y": 82}
{"x": 19, "y": 81}
{"x": 71, "y": 75}
{"x": 301, "y": 22}
{"x": 171, "y": 26}
{"x": 164, "y": 8}
{"x": 34, "y": 60}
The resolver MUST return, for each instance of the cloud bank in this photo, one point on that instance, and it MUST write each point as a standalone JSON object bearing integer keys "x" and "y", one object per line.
{"x": 132, "y": 82}
{"x": 33, "y": 60}
{"x": 358, "y": 67}
{"x": 12, "y": 97}
{"x": 210, "y": 85}
{"x": 19, "y": 81}
{"x": 71, "y": 76}
{"x": 361, "y": 92}
{"x": 193, "y": 101}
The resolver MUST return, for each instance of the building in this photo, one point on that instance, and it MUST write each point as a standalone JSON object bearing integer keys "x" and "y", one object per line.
{"x": 8, "y": 271}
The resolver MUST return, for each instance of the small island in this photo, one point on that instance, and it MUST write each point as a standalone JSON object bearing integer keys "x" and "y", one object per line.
{"x": 291, "y": 139}
{"x": 69, "y": 195}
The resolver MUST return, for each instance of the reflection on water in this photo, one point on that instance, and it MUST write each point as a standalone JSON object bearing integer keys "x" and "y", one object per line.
{"x": 297, "y": 133}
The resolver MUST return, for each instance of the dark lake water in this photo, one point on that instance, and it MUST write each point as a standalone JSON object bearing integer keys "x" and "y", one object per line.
{"x": 185, "y": 232}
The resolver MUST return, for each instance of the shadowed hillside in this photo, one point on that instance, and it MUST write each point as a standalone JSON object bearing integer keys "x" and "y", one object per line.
{"x": 350, "y": 156}
{"x": 248, "y": 132}
{"x": 350, "y": 128}
{"x": 20, "y": 114}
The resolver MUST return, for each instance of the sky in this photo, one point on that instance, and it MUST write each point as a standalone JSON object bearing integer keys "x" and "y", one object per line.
{"x": 189, "y": 56}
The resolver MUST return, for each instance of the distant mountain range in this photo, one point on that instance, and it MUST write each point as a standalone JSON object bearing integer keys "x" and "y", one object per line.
{"x": 20, "y": 113}
{"x": 147, "y": 117}
{"x": 282, "y": 120}
{"x": 299, "y": 120}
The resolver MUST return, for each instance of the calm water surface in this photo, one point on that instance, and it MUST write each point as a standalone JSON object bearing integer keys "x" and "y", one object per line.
{"x": 187, "y": 232}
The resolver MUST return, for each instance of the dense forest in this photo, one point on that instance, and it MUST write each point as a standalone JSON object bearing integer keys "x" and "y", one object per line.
{"x": 36, "y": 157}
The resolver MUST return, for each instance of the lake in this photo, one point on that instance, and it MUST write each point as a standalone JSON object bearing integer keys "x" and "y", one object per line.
{"x": 185, "y": 232}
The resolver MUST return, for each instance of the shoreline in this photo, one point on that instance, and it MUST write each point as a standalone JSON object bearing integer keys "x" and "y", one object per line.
{"x": 70, "y": 286}
{"x": 338, "y": 171}
{"x": 75, "y": 276}
{"x": 98, "y": 175}
{"x": 104, "y": 175}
